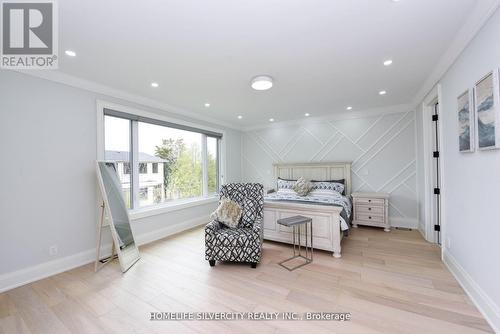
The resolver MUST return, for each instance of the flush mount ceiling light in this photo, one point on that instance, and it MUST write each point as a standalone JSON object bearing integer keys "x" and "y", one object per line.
{"x": 307, "y": 114}
{"x": 240, "y": 117}
{"x": 349, "y": 108}
{"x": 271, "y": 120}
{"x": 388, "y": 62}
{"x": 155, "y": 85}
{"x": 262, "y": 82}
{"x": 382, "y": 92}
{"x": 70, "y": 53}
{"x": 207, "y": 105}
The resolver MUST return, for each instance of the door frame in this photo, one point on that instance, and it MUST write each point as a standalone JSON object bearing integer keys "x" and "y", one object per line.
{"x": 427, "y": 128}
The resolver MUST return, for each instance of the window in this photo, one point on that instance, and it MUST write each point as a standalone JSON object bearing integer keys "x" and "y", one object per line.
{"x": 213, "y": 164}
{"x": 162, "y": 162}
{"x": 143, "y": 167}
{"x": 117, "y": 149}
{"x": 180, "y": 153}
{"x": 126, "y": 168}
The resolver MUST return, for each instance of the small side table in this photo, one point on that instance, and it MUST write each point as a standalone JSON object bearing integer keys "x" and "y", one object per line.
{"x": 371, "y": 209}
{"x": 296, "y": 223}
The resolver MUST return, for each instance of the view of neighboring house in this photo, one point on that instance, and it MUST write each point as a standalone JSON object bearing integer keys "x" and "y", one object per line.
{"x": 151, "y": 186}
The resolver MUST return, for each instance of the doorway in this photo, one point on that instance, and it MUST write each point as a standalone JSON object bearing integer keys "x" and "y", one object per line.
{"x": 435, "y": 174}
{"x": 432, "y": 168}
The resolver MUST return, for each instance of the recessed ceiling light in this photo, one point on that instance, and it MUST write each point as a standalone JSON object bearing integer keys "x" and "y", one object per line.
{"x": 388, "y": 62}
{"x": 240, "y": 117}
{"x": 262, "y": 82}
{"x": 382, "y": 92}
{"x": 349, "y": 108}
{"x": 155, "y": 85}
{"x": 70, "y": 53}
{"x": 271, "y": 120}
{"x": 307, "y": 114}
{"x": 207, "y": 105}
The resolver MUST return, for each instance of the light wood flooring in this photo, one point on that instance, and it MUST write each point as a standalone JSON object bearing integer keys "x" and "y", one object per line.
{"x": 390, "y": 283}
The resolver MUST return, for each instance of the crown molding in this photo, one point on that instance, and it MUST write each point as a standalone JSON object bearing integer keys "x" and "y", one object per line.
{"x": 73, "y": 81}
{"x": 340, "y": 116}
{"x": 476, "y": 20}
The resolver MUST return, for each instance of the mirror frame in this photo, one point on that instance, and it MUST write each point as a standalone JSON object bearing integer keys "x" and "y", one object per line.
{"x": 107, "y": 210}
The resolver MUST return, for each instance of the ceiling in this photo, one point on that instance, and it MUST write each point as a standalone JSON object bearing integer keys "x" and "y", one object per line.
{"x": 324, "y": 55}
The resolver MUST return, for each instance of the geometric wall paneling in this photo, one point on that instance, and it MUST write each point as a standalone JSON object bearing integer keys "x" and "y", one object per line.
{"x": 404, "y": 201}
{"x": 300, "y": 148}
{"x": 344, "y": 150}
{"x": 354, "y": 128}
{"x": 379, "y": 127}
{"x": 382, "y": 150}
{"x": 321, "y": 131}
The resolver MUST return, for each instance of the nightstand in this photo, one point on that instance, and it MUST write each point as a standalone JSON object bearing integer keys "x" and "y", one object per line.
{"x": 371, "y": 209}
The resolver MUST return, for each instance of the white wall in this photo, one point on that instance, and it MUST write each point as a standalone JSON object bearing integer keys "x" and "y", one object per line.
{"x": 421, "y": 192}
{"x": 47, "y": 174}
{"x": 381, "y": 146}
{"x": 472, "y": 182}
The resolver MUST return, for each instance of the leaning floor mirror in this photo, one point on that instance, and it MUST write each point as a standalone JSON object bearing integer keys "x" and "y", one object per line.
{"x": 114, "y": 213}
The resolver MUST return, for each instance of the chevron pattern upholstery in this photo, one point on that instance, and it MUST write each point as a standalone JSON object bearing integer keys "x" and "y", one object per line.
{"x": 244, "y": 243}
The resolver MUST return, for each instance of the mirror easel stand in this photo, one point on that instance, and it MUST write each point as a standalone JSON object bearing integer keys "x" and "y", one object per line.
{"x": 99, "y": 263}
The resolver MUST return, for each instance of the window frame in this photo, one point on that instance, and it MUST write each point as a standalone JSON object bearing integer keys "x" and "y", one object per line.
{"x": 140, "y": 212}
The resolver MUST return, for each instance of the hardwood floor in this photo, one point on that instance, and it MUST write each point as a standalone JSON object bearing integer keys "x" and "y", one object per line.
{"x": 389, "y": 282}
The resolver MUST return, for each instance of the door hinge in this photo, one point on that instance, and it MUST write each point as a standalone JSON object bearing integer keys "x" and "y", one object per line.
{"x": 435, "y": 154}
{"x": 435, "y": 118}
{"x": 437, "y": 228}
{"x": 437, "y": 191}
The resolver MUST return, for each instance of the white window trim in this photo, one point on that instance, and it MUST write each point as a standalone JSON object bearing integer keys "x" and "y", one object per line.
{"x": 170, "y": 206}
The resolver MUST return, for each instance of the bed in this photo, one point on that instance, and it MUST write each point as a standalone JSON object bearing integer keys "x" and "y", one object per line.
{"x": 330, "y": 218}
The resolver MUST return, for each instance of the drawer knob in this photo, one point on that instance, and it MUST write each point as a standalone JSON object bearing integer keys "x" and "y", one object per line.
{"x": 370, "y": 209}
{"x": 369, "y": 201}
{"x": 370, "y": 217}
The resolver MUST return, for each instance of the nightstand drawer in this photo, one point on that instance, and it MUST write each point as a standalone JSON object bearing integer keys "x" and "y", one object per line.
{"x": 370, "y": 201}
{"x": 368, "y": 209}
{"x": 370, "y": 218}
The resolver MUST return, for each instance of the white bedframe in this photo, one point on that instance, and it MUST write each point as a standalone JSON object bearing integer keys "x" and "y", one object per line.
{"x": 326, "y": 219}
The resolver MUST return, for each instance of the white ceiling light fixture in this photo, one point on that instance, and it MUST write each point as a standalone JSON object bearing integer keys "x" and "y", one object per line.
{"x": 155, "y": 85}
{"x": 262, "y": 82}
{"x": 271, "y": 120}
{"x": 307, "y": 114}
{"x": 382, "y": 92}
{"x": 207, "y": 105}
{"x": 388, "y": 62}
{"x": 240, "y": 117}
{"x": 349, "y": 108}
{"x": 70, "y": 53}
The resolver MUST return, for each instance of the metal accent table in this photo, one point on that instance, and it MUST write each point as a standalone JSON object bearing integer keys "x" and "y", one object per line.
{"x": 296, "y": 222}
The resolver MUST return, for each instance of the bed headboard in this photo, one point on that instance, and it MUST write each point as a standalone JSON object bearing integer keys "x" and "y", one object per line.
{"x": 320, "y": 171}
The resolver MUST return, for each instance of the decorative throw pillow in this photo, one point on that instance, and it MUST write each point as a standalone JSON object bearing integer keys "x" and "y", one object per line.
{"x": 302, "y": 187}
{"x": 285, "y": 187}
{"x": 341, "y": 183}
{"x": 228, "y": 213}
{"x": 327, "y": 186}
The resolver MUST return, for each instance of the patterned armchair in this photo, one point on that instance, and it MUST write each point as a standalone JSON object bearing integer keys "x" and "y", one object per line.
{"x": 244, "y": 243}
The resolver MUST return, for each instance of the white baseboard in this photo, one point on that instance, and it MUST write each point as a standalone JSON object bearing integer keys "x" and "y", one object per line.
{"x": 31, "y": 274}
{"x": 404, "y": 222}
{"x": 483, "y": 302}
{"x": 421, "y": 229}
